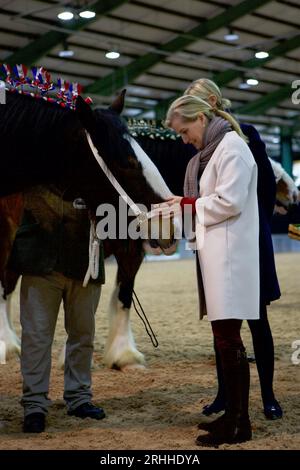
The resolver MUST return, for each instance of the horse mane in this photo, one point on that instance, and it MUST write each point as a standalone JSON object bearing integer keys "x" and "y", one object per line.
{"x": 25, "y": 117}
{"x": 43, "y": 117}
{"x": 38, "y": 140}
{"x": 118, "y": 134}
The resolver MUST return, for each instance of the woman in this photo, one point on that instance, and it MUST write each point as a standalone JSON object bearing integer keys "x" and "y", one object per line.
{"x": 269, "y": 287}
{"x": 226, "y": 209}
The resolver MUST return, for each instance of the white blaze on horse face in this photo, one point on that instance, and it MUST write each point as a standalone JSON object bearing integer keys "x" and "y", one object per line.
{"x": 150, "y": 171}
{"x": 158, "y": 184}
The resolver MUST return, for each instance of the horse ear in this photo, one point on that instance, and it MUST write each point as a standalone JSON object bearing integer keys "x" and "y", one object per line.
{"x": 85, "y": 113}
{"x": 118, "y": 104}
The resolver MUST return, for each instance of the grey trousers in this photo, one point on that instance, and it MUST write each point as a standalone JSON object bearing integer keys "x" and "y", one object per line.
{"x": 40, "y": 300}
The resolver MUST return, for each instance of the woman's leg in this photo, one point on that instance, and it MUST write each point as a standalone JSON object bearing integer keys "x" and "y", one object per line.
{"x": 235, "y": 427}
{"x": 264, "y": 355}
{"x": 219, "y": 402}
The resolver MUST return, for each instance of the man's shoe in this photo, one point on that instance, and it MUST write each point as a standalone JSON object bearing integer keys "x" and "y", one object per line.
{"x": 35, "y": 422}
{"x": 273, "y": 410}
{"x": 87, "y": 410}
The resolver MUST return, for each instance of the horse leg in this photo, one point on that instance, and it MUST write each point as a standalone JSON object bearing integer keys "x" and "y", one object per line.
{"x": 11, "y": 209}
{"x": 11, "y": 280}
{"x": 120, "y": 349}
{"x": 9, "y": 342}
{"x": 61, "y": 357}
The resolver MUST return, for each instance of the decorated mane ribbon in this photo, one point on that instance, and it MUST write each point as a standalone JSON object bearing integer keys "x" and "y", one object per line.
{"x": 40, "y": 85}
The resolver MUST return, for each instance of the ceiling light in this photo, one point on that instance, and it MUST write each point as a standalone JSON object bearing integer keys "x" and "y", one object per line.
{"x": 261, "y": 55}
{"x": 244, "y": 86}
{"x": 112, "y": 55}
{"x": 65, "y": 51}
{"x": 65, "y": 15}
{"x": 231, "y": 36}
{"x": 87, "y": 14}
{"x": 252, "y": 81}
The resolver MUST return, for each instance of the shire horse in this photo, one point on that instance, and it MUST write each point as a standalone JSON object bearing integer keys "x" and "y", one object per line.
{"x": 44, "y": 144}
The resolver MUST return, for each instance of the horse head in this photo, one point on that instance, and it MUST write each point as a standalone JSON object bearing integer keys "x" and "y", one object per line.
{"x": 109, "y": 138}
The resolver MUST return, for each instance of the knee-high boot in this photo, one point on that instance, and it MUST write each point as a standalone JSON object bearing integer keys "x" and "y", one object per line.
{"x": 219, "y": 402}
{"x": 235, "y": 425}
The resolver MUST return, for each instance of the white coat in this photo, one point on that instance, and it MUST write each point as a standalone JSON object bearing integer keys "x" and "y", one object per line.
{"x": 227, "y": 212}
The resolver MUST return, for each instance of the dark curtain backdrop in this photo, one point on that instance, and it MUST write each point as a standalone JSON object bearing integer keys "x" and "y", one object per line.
{"x": 171, "y": 158}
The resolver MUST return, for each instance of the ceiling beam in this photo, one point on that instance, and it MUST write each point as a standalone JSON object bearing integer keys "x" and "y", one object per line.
{"x": 223, "y": 78}
{"x": 261, "y": 105}
{"x": 38, "y": 48}
{"x": 111, "y": 83}
{"x": 285, "y": 46}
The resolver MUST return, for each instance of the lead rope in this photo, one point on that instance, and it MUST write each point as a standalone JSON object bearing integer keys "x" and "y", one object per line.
{"x": 93, "y": 267}
{"x": 145, "y": 321}
{"x": 141, "y": 216}
{"x": 142, "y": 315}
{"x": 93, "y": 272}
{"x": 94, "y": 242}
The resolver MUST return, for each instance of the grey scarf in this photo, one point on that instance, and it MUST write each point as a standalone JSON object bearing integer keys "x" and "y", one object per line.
{"x": 215, "y": 131}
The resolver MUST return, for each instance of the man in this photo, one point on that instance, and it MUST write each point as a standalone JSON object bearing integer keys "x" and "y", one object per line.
{"x": 51, "y": 251}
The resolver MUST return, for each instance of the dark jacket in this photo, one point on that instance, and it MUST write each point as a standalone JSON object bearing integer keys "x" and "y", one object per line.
{"x": 266, "y": 192}
{"x": 53, "y": 236}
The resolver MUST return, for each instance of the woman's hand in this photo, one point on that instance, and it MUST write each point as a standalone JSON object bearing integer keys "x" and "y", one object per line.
{"x": 168, "y": 208}
{"x": 174, "y": 200}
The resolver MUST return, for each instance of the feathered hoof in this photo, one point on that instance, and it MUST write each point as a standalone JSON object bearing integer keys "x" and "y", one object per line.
{"x": 128, "y": 359}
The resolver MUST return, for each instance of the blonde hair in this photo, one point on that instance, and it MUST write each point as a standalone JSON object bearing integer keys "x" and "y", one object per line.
{"x": 204, "y": 89}
{"x": 188, "y": 108}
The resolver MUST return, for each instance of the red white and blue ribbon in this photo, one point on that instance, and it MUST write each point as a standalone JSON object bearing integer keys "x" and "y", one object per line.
{"x": 16, "y": 78}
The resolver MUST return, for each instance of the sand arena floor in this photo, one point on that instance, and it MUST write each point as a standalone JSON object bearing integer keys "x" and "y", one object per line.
{"x": 158, "y": 408}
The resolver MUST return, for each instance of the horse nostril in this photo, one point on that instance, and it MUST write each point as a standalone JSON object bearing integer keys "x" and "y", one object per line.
{"x": 153, "y": 243}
